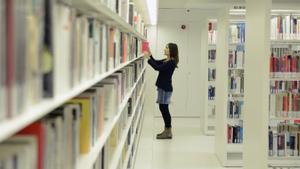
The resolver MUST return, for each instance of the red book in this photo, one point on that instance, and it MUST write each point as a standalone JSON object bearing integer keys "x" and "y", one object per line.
{"x": 278, "y": 24}
{"x": 124, "y": 48}
{"x": 229, "y": 136}
{"x": 209, "y": 26}
{"x": 282, "y": 64}
{"x": 145, "y": 46}
{"x": 297, "y": 122}
{"x": 283, "y": 103}
{"x": 275, "y": 64}
{"x": 271, "y": 63}
{"x": 294, "y": 96}
{"x": 287, "y": 63}
{"x": 294, "y": 64}
{"x": 290, "y": 62}
{"x": 37, "y": 129}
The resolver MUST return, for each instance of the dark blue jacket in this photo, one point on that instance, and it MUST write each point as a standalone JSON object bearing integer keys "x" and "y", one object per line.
{"x": 166, "y": 70}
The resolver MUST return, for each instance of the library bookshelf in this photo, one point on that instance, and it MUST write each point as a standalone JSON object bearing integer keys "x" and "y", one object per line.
{"x": 74, "y": 93}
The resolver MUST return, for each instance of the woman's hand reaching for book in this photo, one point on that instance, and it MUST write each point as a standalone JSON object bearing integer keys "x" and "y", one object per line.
{"x": 147, "y": 54}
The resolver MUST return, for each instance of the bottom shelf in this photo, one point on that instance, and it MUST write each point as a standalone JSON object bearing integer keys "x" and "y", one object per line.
{"x": 233, "y": 156}
{"x": 134, "y": 143}
{"x": 209, "y": 128}
{"x": 209, "y": 132}
{"x": 284, "y": 162}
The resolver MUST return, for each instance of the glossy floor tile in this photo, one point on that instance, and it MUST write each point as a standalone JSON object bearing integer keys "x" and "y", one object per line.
{"x": 189, "y": 149}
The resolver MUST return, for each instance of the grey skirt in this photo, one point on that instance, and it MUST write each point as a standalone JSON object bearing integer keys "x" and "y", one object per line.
{"x": 163, "y": 97}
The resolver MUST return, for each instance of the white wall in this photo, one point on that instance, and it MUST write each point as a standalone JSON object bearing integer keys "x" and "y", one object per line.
{"x": 187, "y": 78}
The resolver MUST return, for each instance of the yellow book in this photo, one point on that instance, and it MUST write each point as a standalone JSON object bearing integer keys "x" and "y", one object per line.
{"x": 85, "y": 123}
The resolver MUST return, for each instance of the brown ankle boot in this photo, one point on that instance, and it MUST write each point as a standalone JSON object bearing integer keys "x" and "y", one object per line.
{"x": 166, "y": 134}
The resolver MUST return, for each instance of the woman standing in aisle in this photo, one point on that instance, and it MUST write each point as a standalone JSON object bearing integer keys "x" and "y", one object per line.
{"x": 166, "y": 69}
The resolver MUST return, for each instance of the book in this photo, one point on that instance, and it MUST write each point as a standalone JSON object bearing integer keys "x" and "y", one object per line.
{"x": 285, "y": 27}
{"x": 283, "y": 139}
{"x": 25, "y": 148}
{"x": 37, "y": 130}
{"x": 10, "y": 74}
{"x": 48, "y": 52}
{"x": 237, "y": 33}
{"x": 3, "y": 104}
{"x": 145, "y": 46}
{"x": 105, "y": 47}
{"x": 234, "y": 134}
{"x": 125, "y": 10}
{"x": 100, "y": 108}
{"x": 211, "y": 56}
{"x": 85, "y": 123}
{"x": 62, "y": 37}
{"x": 211, "y": 92}
{"x": 67, "y": 122}
{"x": 131, "y": 13}
{"x": 212, "y": 32}
{"x": 111, "y": 98}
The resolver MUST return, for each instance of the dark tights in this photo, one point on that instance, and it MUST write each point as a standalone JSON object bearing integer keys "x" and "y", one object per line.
{"x": 164, "y": 109}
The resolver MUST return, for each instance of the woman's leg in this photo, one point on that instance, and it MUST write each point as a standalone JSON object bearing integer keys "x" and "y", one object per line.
{"x": 164, "y": 109}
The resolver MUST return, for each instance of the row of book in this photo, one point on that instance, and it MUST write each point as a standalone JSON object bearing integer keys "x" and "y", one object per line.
{"x": 285, "y": 105}
{"x": 212, "y": 32}
{"x": 285, "y": 63}
{"x": 53, "y": 51}
{"x": 285, "y": 27}
{"x": 127, "y": 10}
{"x": 284, "y": 140}
{"x": 236, "y": 57}
{"x": 211, "y": 92}
{"x": 234, "y": 134}
{"x": 281, "y": 86}
{"x": 235, "y": 108}
{"x": 104, "y": 160}
{"x": 212, "y": 55}
{"x": 73, "y": 128}
{"x": 56, "y": 141}
{"x": 236, "y": 81}
{"x": 237, "y": 33}
{"x": 211, "y": 74}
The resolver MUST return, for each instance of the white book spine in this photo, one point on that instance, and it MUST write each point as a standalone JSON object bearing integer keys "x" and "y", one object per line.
{"x": 298, "y": 28}
{"x": 90, "y": 54}
{"x": 125, "y": 10}
{"x": 62, "y": 43}
{"x": 97, "y": 47}
{"x": 273, "y": 29}
{"x": 104, "y": 47}
{"x": 275, "y": 144}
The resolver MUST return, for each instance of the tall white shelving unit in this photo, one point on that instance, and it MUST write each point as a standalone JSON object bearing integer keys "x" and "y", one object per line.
{"x": 210, "y": 107}
{"x": 236, "y": 57}
{"x": 230, "y": 119}
{"x": 281, "y": 83}
{"x": 125, "y": 152}
{"x": 284, "y": 91}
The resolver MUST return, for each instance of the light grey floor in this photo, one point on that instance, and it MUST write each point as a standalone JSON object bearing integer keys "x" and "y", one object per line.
{"x": 189, "y": 149}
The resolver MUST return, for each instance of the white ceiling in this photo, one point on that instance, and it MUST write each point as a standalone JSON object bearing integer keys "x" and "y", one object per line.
{"x": 202, "y": 4}
{"x": 208, "y": 4}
